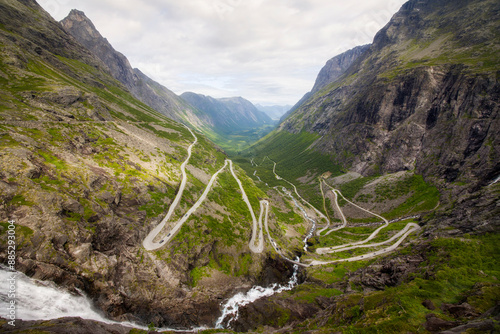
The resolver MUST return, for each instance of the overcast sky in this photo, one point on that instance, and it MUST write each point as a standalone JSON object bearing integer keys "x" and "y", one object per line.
{"x": 267, "y": 51}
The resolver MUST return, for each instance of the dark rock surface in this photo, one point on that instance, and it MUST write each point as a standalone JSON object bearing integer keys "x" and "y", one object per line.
{"x": 432, "y": 107}
{"x": 435, "y": 324}
{"x": 337, "y": 66}
{"x": 390, "y": 273}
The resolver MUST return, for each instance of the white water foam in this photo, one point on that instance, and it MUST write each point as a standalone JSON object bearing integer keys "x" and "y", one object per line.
{"x": 38, "y": 300}
{"x": 230, "y": 310}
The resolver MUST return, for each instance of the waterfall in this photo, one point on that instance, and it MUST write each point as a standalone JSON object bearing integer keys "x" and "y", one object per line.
{"x": 230, "y": 310}
{"x": 495, "y": 180}
{"x": 39, "y": 300}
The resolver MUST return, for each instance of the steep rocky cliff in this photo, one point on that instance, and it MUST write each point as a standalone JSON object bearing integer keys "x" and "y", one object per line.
{"x": 333, "y": 69}
{"x": 424, "y": 96}
{"x": 141, "y": 86}
{"x": 337, "y": 66}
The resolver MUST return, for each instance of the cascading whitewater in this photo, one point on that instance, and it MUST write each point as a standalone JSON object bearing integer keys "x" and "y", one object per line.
{"x": 37, "y": 300}
{"x": 230, "y": 311}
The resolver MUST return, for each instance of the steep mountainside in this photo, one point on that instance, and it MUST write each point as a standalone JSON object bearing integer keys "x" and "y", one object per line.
{"x": 228, "y": 114}
{"x": 141, "y": 86}
{"x": 337, "y": 66}
{"x": 332, "y": 70}
{"x": 424, "y": 96}
{"x": 409, "y": 132}
{"x": 87, "y": 170}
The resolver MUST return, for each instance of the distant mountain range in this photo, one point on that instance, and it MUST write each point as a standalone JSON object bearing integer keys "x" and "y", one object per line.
{"x": 228, "y": 114}
{"x": 204, "y": 113}
{"x": 275, "y": 112}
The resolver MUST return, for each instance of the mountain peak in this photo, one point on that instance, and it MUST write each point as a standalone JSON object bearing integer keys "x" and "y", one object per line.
{"x": 80, "y": 26}
{"x": 335, "y": 67}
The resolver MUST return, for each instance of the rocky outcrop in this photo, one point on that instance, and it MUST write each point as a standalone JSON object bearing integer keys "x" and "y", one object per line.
{"x": 274, "y": 313}
{"x": 391, "y": 273}
{"x": 417, "y": 99}
{"x": 141, "y": 86}
{"x": 336, "y": 67}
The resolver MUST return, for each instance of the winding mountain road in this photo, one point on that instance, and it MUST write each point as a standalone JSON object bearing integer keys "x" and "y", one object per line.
{"x": 344, "y": 220}
{"x": 148, "y": 242}
{"x": 259, "y": 247}
{"x": 319, "y": 213}
{"x": 256, "y": 243}
{"x": 414, "y": 227}
{"x": 402, "y": 235}
{"x": 409, "y": 228}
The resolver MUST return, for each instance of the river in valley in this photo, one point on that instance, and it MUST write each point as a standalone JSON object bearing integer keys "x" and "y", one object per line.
{"x": 231, "y": 307}
{"x": 39, "y": 300}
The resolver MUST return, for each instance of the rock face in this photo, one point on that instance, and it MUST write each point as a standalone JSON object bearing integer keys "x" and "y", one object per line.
{"x": 421, "y": 97}
{"x": 335, "y": 67}
{"x": 228, "y": 114}
{"x": 333, "y": 70}
{"x": 141, "y": 86}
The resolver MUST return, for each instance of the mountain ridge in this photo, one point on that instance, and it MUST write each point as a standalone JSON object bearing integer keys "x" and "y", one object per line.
{"x": 228, "y": 114}
{"x": 329, "y": 73}
{"x": 140, "y": 85}
{"x": 87, "y": 170}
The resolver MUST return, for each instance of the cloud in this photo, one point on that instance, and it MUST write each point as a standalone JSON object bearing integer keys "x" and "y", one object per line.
{"x": 268, "y": 51}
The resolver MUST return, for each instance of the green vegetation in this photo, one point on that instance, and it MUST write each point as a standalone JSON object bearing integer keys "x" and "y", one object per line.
{"x": 309, "y": 293}
{"x": 158, "y": 203}
{"x": 350, "y": 189}
{"x": 235, "y": 142}
{"x": 334, "y": 273}
{"x": 454, "y": 271}
{"x": 25, "y": 231}
{"x": 424, "y": 197}
{"x": 52, "y": 159}
{"x": 198, "y": 273}
{"x": 293, "y": 154}
{"x": 19, "y": 200}
{"x": 290, "y": 217}
{"x": 294, "y": 159}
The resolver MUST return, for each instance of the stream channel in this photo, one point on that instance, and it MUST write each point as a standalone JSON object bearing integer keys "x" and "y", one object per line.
{"x": 39, "y": 300}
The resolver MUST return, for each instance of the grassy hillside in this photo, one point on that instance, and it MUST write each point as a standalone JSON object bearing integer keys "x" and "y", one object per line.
{"x": 87, "y": 170}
